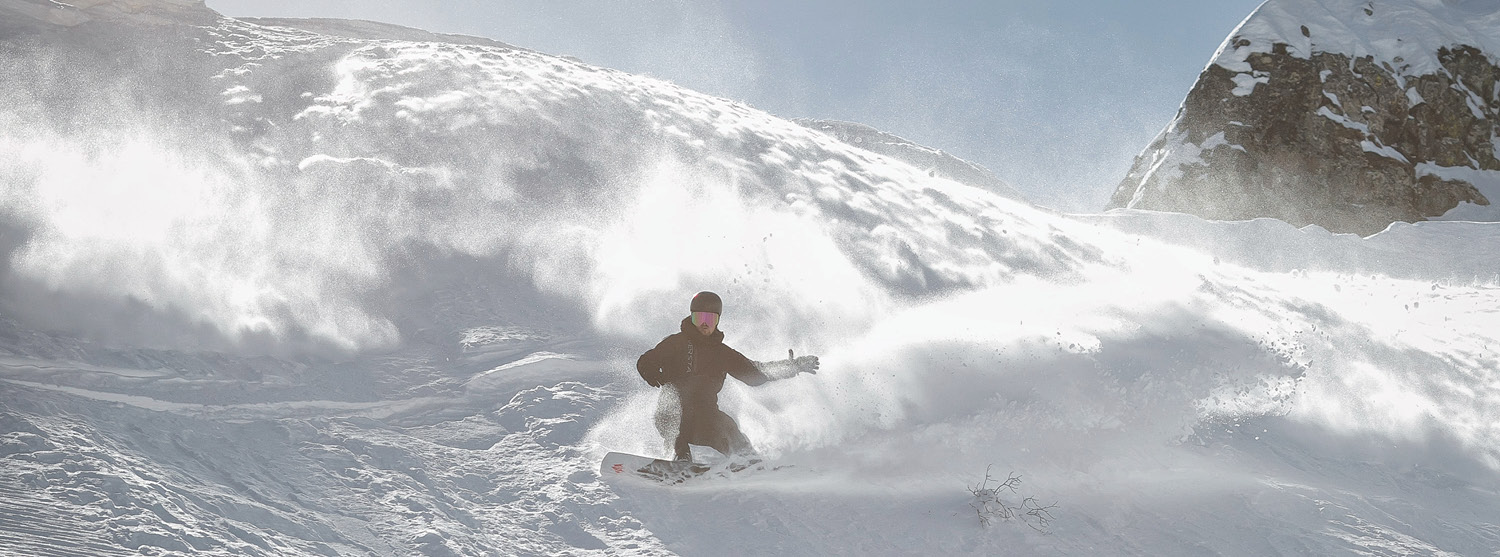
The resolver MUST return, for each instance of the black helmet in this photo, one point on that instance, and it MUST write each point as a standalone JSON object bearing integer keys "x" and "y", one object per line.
{"x": 707, "y": 301}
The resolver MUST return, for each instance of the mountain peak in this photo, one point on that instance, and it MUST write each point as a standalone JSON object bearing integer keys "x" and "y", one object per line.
{"x": 1348, "y": 114}
{"x": 1405, "y": 33}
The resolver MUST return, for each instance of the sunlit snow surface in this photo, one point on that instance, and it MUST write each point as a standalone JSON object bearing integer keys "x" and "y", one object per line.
{"x": 394, "y": 309}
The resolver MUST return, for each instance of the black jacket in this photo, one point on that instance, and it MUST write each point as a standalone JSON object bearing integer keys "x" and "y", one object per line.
{"x": 696, "y": 365}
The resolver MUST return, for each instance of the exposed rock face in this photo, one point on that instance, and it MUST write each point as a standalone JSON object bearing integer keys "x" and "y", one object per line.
{"x": 1350, "y": 143}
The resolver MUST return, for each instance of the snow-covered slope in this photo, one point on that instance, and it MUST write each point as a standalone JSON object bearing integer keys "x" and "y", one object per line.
{"x": 321, "y": 157}
{"x": 361, "y": 29}
{"x": 340, "y": 295}
{"x": 934, "y": 161}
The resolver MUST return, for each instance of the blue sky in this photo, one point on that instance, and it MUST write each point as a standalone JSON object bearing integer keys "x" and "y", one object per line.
{"x": 1055, "y": 97}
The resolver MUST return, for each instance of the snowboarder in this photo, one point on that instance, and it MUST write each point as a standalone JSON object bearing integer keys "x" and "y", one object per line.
{"x": 690, "y": 366}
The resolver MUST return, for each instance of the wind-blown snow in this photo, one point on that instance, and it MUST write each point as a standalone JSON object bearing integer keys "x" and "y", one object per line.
{"x": 397, "y": 309}
{"x": 578, "y": 173}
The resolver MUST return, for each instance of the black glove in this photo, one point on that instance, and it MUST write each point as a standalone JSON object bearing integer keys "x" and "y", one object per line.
{"x": 650, "y": 371}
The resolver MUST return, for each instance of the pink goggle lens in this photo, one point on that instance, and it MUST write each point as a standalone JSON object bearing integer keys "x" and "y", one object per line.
{"x": 701, "y": 318}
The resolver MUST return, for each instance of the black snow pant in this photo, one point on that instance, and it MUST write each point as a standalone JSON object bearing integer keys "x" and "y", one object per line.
{"x": 699, "y": 425}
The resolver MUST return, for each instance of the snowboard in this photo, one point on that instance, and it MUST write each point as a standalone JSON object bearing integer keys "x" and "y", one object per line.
{"x": 665, "y": 471}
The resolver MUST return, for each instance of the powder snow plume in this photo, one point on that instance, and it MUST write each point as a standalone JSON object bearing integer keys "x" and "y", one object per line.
{"x": 586, "y": 183}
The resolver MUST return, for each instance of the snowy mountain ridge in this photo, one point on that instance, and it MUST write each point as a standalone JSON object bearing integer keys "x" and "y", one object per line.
{"x": 340, "y": 295}
{"x": 71, "y": 13}
{"x": 935, "y": 161}
{"x": 371, "y": 30}
{"x": 1406, "y": 34}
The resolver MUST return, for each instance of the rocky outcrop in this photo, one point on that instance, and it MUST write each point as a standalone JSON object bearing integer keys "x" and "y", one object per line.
{"x": 1348, "y": 142}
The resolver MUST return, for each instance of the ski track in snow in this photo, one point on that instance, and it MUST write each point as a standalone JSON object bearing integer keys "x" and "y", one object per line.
{"x": 433, "y": 216}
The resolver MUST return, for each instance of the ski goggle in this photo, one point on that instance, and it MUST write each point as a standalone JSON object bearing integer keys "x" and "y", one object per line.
{"x": 701, "y": 318}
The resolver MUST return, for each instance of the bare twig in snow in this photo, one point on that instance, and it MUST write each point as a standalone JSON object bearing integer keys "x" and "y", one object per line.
{"x": 989, "y": 505}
